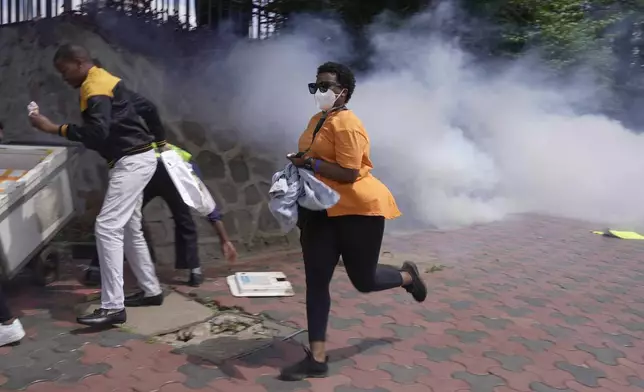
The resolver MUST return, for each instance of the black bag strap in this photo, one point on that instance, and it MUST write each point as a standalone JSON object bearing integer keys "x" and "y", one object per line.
{"x": 318, "y": 126}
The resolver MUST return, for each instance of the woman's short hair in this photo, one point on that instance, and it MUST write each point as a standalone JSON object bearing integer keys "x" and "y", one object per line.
{"x": 345, "y": 76}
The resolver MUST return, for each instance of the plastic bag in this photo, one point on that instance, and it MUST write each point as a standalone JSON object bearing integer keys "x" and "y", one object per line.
{"x": 192, "y": 190}
{"x": 32, "y": 108}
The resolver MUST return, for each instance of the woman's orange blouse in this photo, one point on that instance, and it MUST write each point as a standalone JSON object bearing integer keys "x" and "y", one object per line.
{"x": 342, "y": 139}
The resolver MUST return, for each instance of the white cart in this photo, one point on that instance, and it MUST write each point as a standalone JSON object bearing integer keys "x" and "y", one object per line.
{"x": 34, "y": 208}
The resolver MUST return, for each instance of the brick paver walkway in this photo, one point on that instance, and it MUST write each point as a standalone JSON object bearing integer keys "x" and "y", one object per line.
{"x": 531, "y": 304}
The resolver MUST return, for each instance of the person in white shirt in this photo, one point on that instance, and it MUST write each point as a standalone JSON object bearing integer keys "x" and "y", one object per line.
{"x": 11, "y": 330}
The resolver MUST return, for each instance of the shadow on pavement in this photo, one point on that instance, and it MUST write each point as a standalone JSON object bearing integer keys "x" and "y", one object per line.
{"x": 282, "y": 353}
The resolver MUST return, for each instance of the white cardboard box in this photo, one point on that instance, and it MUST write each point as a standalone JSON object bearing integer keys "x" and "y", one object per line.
{"x": 260, "y": 284}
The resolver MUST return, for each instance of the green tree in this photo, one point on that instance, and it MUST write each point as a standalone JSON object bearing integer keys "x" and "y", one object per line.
{"x": 565, "y": 31}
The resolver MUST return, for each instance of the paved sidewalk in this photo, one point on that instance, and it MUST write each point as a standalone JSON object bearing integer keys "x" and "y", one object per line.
{"x": 532, "y": 304}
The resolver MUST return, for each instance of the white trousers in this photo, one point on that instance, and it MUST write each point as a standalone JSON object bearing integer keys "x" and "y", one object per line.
{"x": 118, "y": 229}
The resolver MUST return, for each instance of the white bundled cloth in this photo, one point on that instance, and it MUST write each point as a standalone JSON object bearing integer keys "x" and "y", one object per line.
{"x": 192, "y": 190}
{"x": 33, "y": 108}
{"x": 293, "y": 186}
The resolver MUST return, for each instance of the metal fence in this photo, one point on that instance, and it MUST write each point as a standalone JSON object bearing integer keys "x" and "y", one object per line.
{"x": 14, "y": 11}
{"x": 245, "y": 17}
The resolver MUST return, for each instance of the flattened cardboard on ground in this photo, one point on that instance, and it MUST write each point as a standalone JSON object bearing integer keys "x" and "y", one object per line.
{"x": 260, "y": 284}
{"x": 177, "y": 312}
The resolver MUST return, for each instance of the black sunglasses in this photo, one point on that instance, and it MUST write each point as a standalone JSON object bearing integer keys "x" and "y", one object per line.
{"x": 322, "y": 86}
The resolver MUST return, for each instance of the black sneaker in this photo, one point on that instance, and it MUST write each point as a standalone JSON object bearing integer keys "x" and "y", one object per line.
{"x": 417, "y": 287}
{"x": 103, "y": 317}
{"x": 306, "y": 368}
{"x": 195, "y": 280}
{"x": 139, "y": 299}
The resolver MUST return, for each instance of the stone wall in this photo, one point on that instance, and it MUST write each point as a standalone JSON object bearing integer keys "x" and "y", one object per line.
{"x": 239, "y": 178}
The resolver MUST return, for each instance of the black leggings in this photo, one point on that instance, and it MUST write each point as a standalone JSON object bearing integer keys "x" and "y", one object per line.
{"x": 357, "y": 239}
{"x": 5, "y": 313}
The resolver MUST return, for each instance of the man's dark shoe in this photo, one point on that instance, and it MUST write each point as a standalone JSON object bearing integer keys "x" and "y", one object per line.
{"x": 306, "y": 368}
{"x": 417, "y": 287}
{"x": 139, "y": 299}
{"x": 103, "y": 317}
{"x": 195, "y": 280}
{"x": 92, "y": 277}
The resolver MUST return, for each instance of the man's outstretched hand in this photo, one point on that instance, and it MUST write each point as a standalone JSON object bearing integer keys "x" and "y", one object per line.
{"x": 229, "y": 251}
{"x": 43, "y": 123}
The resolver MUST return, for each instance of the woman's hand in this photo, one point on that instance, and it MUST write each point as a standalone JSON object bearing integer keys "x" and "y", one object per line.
{"x": 296, "y": 160}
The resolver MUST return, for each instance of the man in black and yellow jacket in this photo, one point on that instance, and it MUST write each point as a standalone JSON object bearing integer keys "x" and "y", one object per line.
{"x": 112, "y": 127}
{"x": 161, "y": 185}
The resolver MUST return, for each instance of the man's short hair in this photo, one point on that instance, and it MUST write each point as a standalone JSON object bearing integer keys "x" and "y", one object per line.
{"x": 1, "y": 125}
{"x": 72, "y": 52}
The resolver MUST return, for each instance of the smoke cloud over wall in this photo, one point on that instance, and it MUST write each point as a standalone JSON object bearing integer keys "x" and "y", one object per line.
{"x": 457, "y": 142}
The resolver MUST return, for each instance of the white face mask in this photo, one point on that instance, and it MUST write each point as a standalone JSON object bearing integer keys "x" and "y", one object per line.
{"x": 326, "y": 100}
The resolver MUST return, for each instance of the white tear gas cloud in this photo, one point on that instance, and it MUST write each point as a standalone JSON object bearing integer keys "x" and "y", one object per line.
{"x": 456, "y": 142}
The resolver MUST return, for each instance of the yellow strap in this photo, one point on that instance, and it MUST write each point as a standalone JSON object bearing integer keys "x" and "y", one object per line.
{"x": 185, "y": 155}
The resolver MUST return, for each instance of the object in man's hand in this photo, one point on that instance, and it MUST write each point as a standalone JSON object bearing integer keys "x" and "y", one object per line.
{"x": 33, "y": 108}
